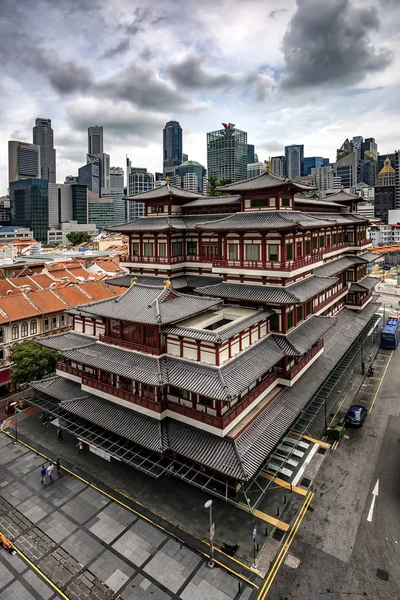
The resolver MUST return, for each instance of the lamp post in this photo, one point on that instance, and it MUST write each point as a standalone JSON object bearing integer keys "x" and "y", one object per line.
{"x": 210, "y": 563}
{"x": 15, "y": 405}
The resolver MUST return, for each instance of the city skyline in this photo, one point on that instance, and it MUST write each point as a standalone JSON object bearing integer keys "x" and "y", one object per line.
{"x": 276, "y": 97}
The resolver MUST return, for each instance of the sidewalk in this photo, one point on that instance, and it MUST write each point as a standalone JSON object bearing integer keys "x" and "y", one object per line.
{"x": 89, "y": 545}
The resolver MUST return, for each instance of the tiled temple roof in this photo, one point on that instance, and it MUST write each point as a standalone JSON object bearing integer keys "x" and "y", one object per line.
{"x": 164, "y": 223}
{"x": 261, "y": 182}
{"x": 366, "y": 284}
{"x": 267, "y": 220}
{"x": 178, "y": 281}
{"x": 212, "y": 201}
{"x": 151, "y": 305}
{"x": 297, "y": 292}
{"x": 164, "y": 191}
{"x": 305, "y": 335}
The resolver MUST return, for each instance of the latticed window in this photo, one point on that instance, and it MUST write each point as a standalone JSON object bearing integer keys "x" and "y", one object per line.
{"x": 14, "y": 332}
{"x": 252, "y": 252}
{"x": 24, "y": 329}
{"x": 33, "y": 327}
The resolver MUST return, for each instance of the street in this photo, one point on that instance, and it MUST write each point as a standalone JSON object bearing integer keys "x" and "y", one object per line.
{"x": 342, "y": 541}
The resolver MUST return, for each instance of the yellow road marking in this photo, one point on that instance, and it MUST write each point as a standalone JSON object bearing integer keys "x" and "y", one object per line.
{"x": 380, "y": 383}
{"x": 285, "y": 548}
{"x": 285, "y": 484}
{"x": 335, "y": 445}
{"x": 39, "y": 572}
{"x": 311, "y": 439}
{"x": 338, "y": 408}
{"x": 264, "y": 517}
{"x": 157, "y": 525}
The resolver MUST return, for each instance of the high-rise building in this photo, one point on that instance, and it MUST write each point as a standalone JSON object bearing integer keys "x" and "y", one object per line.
{"x": 347, "y": 148}
{"x": 29, "y": 199}
{"x": 278, "y": 166}
{"x": 191, "y": 167}
{"x": 67, "y": 202}
{"x": 382, "y": 158}
{"x": 89, "y": 174}
{"x": 140, "y": 181}
{"x": 385, "y": 191}
{"x": 312, "y": 162}
{"x": 255, "y": 169}
{"x": 172, "y": 146}
{"x": 294, "y": 161}
{"x": 95, "y": 140}
{"x": 116, "y": 178}
{"x": 346, "y": 168}
{"x": 185, "y": 157}
{"x": 323, "y": 177}
{"x": 105, "y": 170}
{"x": 227, "y": 153}
{"x": 43, "y": 137}
{"x": 23, "y": 161}
{"x": 250, "y": 154}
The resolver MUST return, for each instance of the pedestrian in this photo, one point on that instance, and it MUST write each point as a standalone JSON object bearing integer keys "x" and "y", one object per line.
{"x": 58, "y": 465}
{"x": 60, "y": 436}
{"x": 43, "y": 475}
{"x": 5, "y": 542}
{"x": 44, "y": 418}
{"x": 363, "y": 368}
{"x": 50, "y": 469}
{"x": 80, "y": 447}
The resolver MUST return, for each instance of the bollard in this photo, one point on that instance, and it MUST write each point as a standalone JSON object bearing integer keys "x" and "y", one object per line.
{"x": 284, "y": 499}
{"x": 277, "y": 511}
{"x": 266, "y": 532}
{"x": 239, "y": 587}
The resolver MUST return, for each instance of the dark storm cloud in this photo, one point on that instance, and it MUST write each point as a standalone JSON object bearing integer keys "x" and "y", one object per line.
{"x": 120, "y": 48}
{"x": 189, "y": 73}
{"x": 327, "y": 43}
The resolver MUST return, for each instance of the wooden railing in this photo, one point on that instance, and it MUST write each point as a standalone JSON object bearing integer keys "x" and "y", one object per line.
{"x": 269, "y": 265}
{"x": 129, "y": 345}
{"x": 358, "y": 301}
{"x": 303, "y": 361}
{"x": 331, "y": 298}
{"x": 236, "y": 410}
{"x": 123, "y": 394}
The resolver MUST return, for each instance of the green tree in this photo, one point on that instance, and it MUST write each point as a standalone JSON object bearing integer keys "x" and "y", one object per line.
{"x": 213, "y": 184}
{"x": 77, "y": 237}
{"x": 31, "y": 361}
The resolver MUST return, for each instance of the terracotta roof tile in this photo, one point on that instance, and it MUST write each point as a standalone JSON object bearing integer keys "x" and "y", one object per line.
{"x": 5, "y": 286}
{"x": 47, "y": 301}
{"x": 72, "y": 295}
{"x": 43, "y": 280}
{"x": 97, "y": 290}
{"x": 15, "y": 308}
{"x": 21, "y": 281}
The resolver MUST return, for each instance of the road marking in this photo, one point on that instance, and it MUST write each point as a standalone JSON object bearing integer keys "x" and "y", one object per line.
{"x": 284, "y": 484}
{"x": 264, "y": 517}
{"x": 285, "y": 548}
{"x": 338, "y": 408}
{"x": 375, "y": 493}
{"x": 380, "y": 383}
{"x": 157, "y": 525}
{"x": 305, "y": 464}
{"x": 311, "y": 439}
{"x": 335, "y": 445}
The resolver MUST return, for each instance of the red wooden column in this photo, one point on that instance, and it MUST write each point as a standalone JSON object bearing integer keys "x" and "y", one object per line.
{"x": 283, "y": 249}
{"x": 263, "y": 248}
{"x": 169, "y": 248}
{"x": 200, "y": 245}
{"x": 241, "y": 247}
{"x": 140, "y": 244}
{"x": 155, "y": 245}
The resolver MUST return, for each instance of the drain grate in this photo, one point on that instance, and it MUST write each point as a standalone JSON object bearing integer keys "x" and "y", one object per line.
{"x": 305, "y": 482}
{"x": 321, "y": 450}
{"x": 278, "y": 534}
{"x": 382, "y": 574}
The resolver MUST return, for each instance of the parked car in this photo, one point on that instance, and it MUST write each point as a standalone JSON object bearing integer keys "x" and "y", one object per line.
{"x": 356, "y": 415}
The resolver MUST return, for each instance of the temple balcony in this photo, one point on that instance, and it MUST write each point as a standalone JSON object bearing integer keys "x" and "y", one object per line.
{"x": 153, "y": 260}
{"x": 290, "y": 376}
{"x": 114, "y": 341}
{"x": 328, "y": 301}
{"x": 357, "y": 302}
{"x": 287, "y": 266}
{"x": 122, "y": 394}
{"x": 365, "y": 243}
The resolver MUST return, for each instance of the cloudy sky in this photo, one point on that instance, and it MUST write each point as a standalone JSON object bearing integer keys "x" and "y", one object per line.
{"x": 285, "y": 71}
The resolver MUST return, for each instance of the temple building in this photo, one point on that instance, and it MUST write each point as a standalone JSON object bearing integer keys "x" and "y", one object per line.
{"x": 237, "y": 310}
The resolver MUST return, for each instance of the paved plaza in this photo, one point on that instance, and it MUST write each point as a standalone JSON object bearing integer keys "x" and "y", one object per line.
{"x": 89, "y": 546}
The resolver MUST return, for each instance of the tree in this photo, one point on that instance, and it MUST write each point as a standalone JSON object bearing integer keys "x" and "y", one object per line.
{"x": 213, "y": 184}
{"x": 77, "y": 237}
{"x": 31, "y": 361}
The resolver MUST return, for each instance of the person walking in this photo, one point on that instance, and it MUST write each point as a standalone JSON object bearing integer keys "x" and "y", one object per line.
{"x": 58, "y": 465}
{"x": 363, "y": 368}
{"x": 50, "y": 469}
{"x": 43, "y": 475}
{"x": 60, "y": 438}
{"x": 80, "y": 447}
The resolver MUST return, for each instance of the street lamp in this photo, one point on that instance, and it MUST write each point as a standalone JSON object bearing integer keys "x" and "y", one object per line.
{"x": 210, "y": 563}
{"x": 15, "y": 405}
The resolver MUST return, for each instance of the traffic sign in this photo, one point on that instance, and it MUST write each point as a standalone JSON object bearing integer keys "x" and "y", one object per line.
{"x": 212, "y": 531}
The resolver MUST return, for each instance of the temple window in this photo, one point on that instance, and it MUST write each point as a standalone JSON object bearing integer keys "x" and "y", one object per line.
{"x": 285, "y": 201}
{"x": 290, "y": 319}
{"x": 273, "y": 251}
{"x": 233, "y": 251}
{"x": 179, "y": 392}
{"x": 308, "y": 247}
{"x": 206, "y": 401}
{"x": 260, "y": 203}
{"x": 289, "y": 251}
{"x": 252, "y": 252}
{"x": 191, "y": 248}
{"x": 177, "y": 249}
{"x": 162, "y": 250}
{"x": 148, "y": 249}
{"x": 157, "y": 209}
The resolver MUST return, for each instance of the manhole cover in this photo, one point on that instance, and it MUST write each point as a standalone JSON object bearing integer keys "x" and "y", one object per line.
{"x": 305, "y": 482}
{"x": 278, "y": 534}
{"x": 382, "y": 574}
{"x": 321, "y": 450}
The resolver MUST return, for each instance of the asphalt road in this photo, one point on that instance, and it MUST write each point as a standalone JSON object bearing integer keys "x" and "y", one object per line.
{"x": 338, "y": 548}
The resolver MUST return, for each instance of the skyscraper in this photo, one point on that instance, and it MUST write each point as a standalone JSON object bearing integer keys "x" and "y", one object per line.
{"x": 43, "y": 136}
{"x": 89, "y": 174}
{"x": 191, "y": 174}
{"x": 227, "y": 153}
{"x": 116, "y": 178}
{"x": 172, "y": 146}
{"x": 294, "y": 161}
{"x": 29, "y": 201}
{"x": 346, "y": 168}
{"x": 323, "y": 178}
{"x": 385, "y": 191}
{"x": 312, "y": 162}
{"x": 250, "y": 154}
{"x": 278, "y": 166}
{"x": 95, "y": 140}
{"x": 23, "y": 161}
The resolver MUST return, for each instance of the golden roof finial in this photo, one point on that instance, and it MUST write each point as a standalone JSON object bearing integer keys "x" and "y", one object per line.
{"x": 268, "y": 166}
{"x": 342, "y": 188}
{"x": 168, "y": 284}
{"x": 133, "y": 281}
{"x": 167, "y": 180}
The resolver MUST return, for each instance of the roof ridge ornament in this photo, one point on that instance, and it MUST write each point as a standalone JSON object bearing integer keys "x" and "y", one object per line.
{"x": 133, "y": 280}
{"x": 268, "y": 165}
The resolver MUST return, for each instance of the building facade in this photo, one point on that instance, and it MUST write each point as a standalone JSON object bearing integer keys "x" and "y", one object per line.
{"x": 29, "y": 200}
{"x": 255, "y": 169}
{"x": 23, "y": 161}
{"x": 294, "y": 161}
{"x": 312, "y": 162}
{"x": 227, "y": 153}
{"x": 116, "y": 178}
{"x": 89, "y": 175}
{"x": 250, "y": 154}
{"x": 278, "y": 166}
{"x": 191, "y": 174}
{"x": 43, "y": 136}
{"x": 385, "y": 191}
{"x": 172, "y": 146}
{"x": 347, "y": 168}
{"x": 95, "y": 140}
{"x": 323, "y": 178}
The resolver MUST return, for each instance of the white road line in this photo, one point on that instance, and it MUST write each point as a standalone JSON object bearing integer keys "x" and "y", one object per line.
{"x": 375, "y": 493}
{"x": 371, "y": 509}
